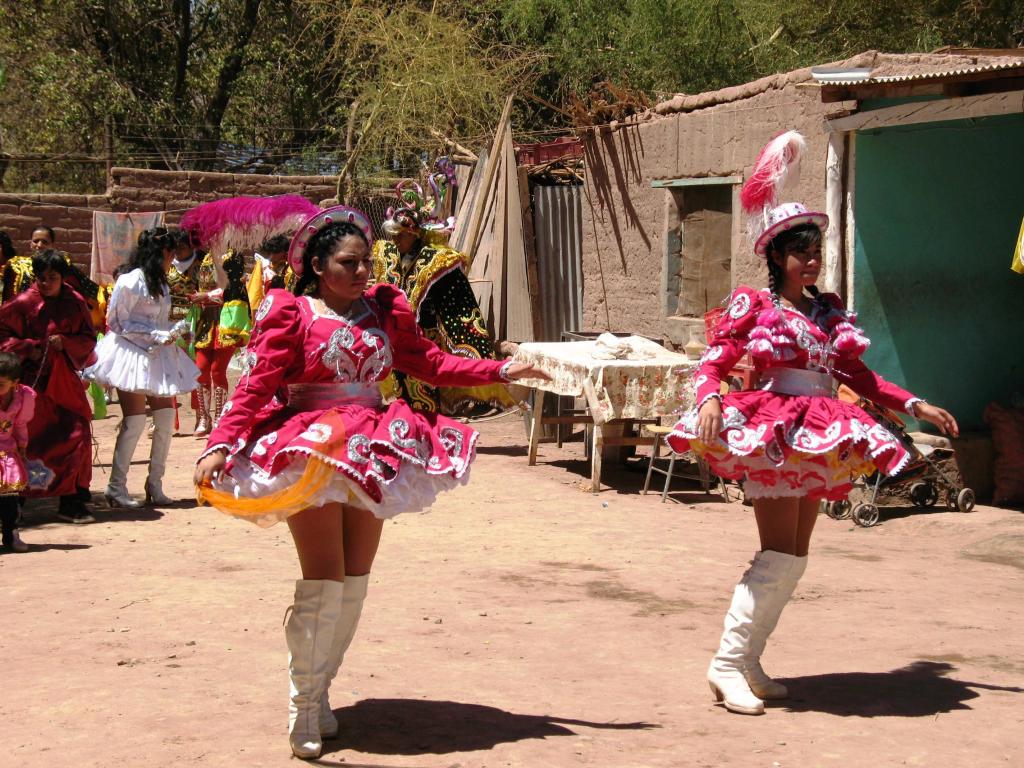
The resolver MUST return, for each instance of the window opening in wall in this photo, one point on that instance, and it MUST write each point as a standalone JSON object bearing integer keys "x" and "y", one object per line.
{"x": 697, "y": 268}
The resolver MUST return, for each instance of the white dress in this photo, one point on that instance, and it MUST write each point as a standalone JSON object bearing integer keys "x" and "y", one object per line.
{"x": 134, "y": 355}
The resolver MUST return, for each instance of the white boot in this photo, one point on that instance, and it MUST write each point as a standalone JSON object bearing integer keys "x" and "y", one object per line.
{"x": 161, "y": 446}
{"x": 128, "y": 434}
{"x": 203, "y": 421}
{"x": 219, "y": 396}
{"x": 351, "y": 608}
{"x": 779, "y": 574}
{"x": 309, "y": 633}
{"x": 725, "y": 673}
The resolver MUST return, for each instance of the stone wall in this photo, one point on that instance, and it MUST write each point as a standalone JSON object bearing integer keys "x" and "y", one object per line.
{"x": 136, "y": 189}
{"x": 628, "y": 225}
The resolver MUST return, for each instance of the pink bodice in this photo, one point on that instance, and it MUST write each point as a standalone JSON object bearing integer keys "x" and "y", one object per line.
{"x": 307, "y": 357}
{"x": 826, "y": 341}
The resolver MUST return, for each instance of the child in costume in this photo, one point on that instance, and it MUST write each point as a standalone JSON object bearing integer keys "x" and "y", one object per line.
{"x": 140, "y": 357}
{"x": 790, "y": 440}
{"x": 17, "y": 404}
{"x": 306, "y": 438}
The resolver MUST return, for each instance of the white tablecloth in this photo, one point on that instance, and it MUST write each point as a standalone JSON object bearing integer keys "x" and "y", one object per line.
{"x": 654, "y": 386}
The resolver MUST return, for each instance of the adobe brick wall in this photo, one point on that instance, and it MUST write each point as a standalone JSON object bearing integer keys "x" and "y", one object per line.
{"x": 625, "y": 219}
{"x": 136, "y": 189}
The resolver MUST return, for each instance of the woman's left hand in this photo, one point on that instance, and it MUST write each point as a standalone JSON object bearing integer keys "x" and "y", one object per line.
{"x": 518, "y": 371}
{"x": 940, "y": 417}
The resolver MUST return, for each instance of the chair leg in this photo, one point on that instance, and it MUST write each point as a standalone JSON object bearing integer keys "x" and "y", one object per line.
{"x": 650, "y": 464}
{"x": 668, "y": 477}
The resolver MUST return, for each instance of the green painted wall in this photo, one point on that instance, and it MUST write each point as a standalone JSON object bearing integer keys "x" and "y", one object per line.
{"x": 938, "y": 208}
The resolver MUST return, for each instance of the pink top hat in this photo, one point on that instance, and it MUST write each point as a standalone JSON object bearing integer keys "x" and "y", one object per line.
{"x": 786, "y": 216}
{"x": 323, "y": 219}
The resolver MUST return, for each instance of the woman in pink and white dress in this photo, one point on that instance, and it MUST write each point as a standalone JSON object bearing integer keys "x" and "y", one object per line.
{"x": 790, "y": 440}
{"x": 306, "y": 438}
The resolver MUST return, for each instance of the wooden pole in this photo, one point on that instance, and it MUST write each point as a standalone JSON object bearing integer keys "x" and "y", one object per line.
{"x": 476, "y": 217}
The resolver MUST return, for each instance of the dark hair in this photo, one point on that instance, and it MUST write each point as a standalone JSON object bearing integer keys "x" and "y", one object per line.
{"x": 276, "y": 244}
{"x": 10, "y": 366}
{"x": 6, "y": 246}
{"x": 320, "y": 246}
{"x": 178, "y": 237}
{"x": 800, "y": 238}
{"x": 149, "y": 257}
{"x": 47, "y": 260}
{"x": 48, "y": 230}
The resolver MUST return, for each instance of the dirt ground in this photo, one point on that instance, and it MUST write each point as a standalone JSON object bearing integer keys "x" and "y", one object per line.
{"x": 523, "y": 622}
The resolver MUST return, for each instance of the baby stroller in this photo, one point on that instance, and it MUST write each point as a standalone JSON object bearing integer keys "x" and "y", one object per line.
{"x": 927, "y": 474}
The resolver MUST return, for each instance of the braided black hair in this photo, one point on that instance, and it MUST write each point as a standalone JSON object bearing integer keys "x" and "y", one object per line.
{"x": 320, "y": 247}
{"x": 801, "y": 238}
{"x": 149, "y": 257}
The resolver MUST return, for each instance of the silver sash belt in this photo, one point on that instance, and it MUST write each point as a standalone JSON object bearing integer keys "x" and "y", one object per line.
{"x": 796, "y": 381}
{"x": 312, "y": 397}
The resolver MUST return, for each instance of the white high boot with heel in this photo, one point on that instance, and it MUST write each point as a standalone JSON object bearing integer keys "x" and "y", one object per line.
{"x": 163, "y": 419}
{"x": 309, "y": 632}
{"x": 752, "y": 611}
{"x": 784, "y": 572}
{"x": 128, "y": 433}
{"x": 351, "y": 609}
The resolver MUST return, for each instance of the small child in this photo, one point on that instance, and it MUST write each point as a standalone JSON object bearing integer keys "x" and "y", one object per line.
{"x": 17, "y": 404}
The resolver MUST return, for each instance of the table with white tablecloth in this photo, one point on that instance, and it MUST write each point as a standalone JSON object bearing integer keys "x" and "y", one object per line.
{"x": 647, "y": 382}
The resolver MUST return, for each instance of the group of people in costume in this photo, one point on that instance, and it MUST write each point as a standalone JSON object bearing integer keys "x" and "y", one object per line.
{"x": 358, "y": 354}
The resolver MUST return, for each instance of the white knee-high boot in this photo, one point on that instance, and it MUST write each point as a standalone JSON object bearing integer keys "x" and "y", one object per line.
{"x": 128, "y": 434}
{"x": 309, "y": 633}
{"x": 752, "y": 600}
{"x": 784, "y": 572}
{"x": 351, "y": 608}
{"x": 163, "y": 419}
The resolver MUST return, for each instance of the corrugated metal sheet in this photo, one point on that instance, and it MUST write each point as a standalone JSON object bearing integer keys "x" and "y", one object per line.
{"x": 925, "y": 73}
{"x": 558, "y": 226}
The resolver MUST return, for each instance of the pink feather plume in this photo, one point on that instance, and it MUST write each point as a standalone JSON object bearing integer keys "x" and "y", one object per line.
{"x": 777, "y": 166}
{"x": 243, "y": 223}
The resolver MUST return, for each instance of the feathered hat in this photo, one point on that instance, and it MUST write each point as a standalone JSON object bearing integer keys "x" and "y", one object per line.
{"x": 321, "y": 219}
{"x": 417, "y": 211}
{"x": 244, "y": 223}
{"x": 776, "y": 168}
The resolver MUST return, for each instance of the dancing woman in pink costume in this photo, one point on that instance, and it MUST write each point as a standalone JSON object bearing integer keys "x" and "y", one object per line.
{"x": 306, "y": 438}
{"x": 790, "y": 440}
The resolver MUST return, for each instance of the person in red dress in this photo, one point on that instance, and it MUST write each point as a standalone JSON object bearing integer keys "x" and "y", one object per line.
{"x": 789, "y": 440}
{"x": 49, "y": 327}
{"x": 306, "y": 438}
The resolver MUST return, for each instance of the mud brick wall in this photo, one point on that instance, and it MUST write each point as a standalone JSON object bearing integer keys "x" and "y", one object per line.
{"x": 626, "y": 222}
{"x": 137, "y": 189}
{"x": 70, "y": 216}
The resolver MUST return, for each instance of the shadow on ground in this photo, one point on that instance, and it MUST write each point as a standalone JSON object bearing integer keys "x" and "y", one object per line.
{"x": 415, "y": 727}
{"x": 920, "y": 689}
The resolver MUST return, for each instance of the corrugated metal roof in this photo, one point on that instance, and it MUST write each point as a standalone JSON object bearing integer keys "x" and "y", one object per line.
{"x": 924, "y": 72}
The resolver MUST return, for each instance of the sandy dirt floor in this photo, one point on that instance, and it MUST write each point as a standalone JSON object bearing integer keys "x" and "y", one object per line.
{"x": 523, "y": 622}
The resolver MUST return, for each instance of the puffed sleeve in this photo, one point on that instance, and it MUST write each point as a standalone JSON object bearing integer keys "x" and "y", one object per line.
{"x": 849, "y": 343}
{"x": 25, "y": 414}
{"x": 728, "y": 343}
{"x": 274, "y": 351}
{"x": 418, "y": 356}
{"x": 129, "y": 291}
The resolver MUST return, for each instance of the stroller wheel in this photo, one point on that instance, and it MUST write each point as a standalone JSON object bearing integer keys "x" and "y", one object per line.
{"x": 924, "y": 494}
{"x": 964, "y": 501}
{"x": 865, "y": 515}
{"x": 839, "y": 510}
